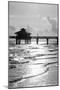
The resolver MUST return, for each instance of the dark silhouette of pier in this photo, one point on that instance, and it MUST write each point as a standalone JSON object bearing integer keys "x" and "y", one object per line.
{"x": 24, "y": 35}
{"x": 44, "y": 37}
{"x": 37, "y": 38}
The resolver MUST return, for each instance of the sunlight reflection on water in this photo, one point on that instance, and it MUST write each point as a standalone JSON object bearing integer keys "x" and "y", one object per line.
{"x": 32, "y": 61}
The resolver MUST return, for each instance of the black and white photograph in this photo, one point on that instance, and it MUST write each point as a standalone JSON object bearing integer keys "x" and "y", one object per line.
{"x": 33, "y": 40}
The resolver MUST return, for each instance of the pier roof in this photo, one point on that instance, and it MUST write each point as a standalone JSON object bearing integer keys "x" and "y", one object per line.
{"x": 23, "y": 30}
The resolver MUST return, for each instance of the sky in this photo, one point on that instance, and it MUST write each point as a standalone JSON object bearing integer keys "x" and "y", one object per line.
{"x": 37, "y": 18}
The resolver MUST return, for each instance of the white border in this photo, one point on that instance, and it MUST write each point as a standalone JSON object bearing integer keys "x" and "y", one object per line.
{"x": 4, "y": 43}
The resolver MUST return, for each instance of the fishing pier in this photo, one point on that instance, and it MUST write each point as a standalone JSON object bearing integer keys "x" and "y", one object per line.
{"x": 26, "y": 36}
{"x": 36, "y": 38}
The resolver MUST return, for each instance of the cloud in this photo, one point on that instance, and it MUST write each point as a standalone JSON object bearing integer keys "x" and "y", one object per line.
{"x": 54, "y": 24}
{"x": 41, "y": 18}
{"x": 42, "y": 25}
{"x": 16, "y": 8}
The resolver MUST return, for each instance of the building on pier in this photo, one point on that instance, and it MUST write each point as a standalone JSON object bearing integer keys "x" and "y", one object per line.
{"x": 23, "y": 35}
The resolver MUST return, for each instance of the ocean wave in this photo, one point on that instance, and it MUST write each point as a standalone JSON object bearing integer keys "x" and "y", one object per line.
{"x": 28, "y": 76}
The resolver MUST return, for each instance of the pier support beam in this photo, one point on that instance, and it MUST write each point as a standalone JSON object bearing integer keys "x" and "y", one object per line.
{"x": 37, "y": 39}
{"x": 47, "y": 41}
{"x": 16, "y": 41}
{"x": 57, "y": 40}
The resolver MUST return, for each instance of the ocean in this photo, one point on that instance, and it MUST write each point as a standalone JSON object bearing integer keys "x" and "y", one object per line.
{"x": 33, "y": 65}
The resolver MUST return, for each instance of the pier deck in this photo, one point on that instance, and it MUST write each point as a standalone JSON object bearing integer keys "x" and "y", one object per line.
{"x": 38, "y": 37}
